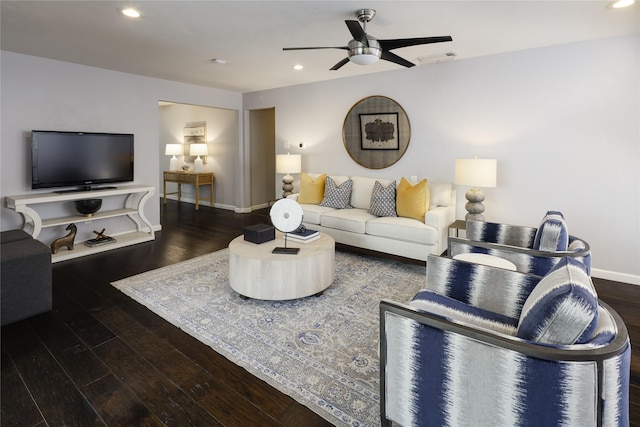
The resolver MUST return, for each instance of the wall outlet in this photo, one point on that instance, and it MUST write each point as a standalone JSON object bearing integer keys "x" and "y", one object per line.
{"x": 414, "y": 179}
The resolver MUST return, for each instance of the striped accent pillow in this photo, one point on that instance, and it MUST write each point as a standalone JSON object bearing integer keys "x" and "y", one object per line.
{"x": 383, "y": 200}
{"x": 562, "y": 308}
{"x": 457, "y": 311}
{"x": 337, "y": 196}
{"x": 552, "y": 235}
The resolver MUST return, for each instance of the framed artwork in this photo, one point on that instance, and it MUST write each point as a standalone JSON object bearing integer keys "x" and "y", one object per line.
{"x": 379, "y": 131}
{"x": 194, "y": 134}
{"x": 376, "y": 132}
{"x": 194, "y": 131}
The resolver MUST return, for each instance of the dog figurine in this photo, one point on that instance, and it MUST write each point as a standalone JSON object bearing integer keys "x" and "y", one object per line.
{"x": 66, "y": 240}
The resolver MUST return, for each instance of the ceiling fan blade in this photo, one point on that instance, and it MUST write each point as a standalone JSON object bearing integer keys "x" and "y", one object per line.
{"x": 339, "y": 64}
{"x": 392, "y": 57}
{"x": 318, "y": 47}
{"x": 357, "y": 32}
{"x": 397, "y": 43}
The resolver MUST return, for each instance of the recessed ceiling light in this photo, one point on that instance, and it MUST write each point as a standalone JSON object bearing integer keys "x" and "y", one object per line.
{"x": 621, "y": 3}
{"x": 131, "y": 13}
{"x": 298, "y": 67}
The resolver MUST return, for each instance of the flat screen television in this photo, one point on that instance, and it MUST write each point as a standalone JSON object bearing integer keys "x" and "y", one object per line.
{"x": 81, "y": 159}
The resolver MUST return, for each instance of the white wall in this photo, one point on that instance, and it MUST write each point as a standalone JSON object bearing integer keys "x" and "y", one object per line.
{"x": 563, "y": 122}
{"x": 39, "y": 93}
{"x": 222, "y": 142}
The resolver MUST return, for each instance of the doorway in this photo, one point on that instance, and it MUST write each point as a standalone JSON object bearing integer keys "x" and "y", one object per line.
{"x": 262, "y": 148}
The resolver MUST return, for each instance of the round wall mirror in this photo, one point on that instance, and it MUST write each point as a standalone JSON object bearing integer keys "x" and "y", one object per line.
{"x": 376, "y": 132}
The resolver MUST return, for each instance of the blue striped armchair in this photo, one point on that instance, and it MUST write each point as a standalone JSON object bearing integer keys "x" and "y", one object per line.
{"x": 532, "y": 250}
{"x": 484, "y": 346}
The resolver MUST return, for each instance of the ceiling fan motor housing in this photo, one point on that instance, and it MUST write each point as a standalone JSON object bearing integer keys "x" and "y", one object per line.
{"x": 364, "y": 55}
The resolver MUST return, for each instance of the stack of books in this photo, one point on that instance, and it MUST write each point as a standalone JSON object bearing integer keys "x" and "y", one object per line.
{"x": 305, "y": 236}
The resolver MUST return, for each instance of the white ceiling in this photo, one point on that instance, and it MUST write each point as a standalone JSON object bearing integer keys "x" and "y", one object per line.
{"x": 176, "y": 40}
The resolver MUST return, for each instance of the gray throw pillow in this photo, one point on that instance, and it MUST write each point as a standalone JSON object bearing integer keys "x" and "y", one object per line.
{"x": 337, "y": 196}
{"x": 383, "y": 200}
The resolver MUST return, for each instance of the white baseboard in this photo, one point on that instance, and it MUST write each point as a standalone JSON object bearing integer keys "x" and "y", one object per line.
{"x": 202, "y": 202}
{"x": 632, "y": 279}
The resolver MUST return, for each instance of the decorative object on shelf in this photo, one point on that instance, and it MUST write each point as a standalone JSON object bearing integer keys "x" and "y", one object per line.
{"x": 288, "y": 164}
{"x": 173, "y": 150}
{"x": 376, "y": 132}
{"x": 194, "y": 133}
{"x": 286, "y": 216}
{"x": 475, "y": 173}
{"x": 198, "y": 150}
{"x": 186, "y": 168}
{"x": 66, "y": 241}
{"x": 101, "y": 239}
{"x": 87, "y": 207}
{"x": 259, "y": 233}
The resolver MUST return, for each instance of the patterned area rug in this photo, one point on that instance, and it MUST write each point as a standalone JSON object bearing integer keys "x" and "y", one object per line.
{"x": 322, "y": 351}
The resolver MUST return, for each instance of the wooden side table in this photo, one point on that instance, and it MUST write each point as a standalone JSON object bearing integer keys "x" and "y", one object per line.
{"x": 457, "y": 225}
{"x": 193, "y": 178}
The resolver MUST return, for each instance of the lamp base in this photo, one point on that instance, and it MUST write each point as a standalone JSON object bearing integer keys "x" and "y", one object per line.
{"x": 474, "y": 205}
{"x": 287, "y": 185}
{"x": 173, "y": 164}
{"x": 197, "y": 165}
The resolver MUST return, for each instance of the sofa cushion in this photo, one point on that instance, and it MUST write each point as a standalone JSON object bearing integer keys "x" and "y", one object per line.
{"x": 353, "y": 220}
{"x": 434, "y": 303}
{"x": 404, "y": 229}
{"x": 311, "y": 213}
{"x": 562, "y": 308}
{"x": 362, "y": 189}
{"x": 337, "y": 196}
{"x": 311, "y": 190}
{"x": 552, "y": 235}
{"x": 412, "y": 201}
{"x": 14, "y": 235}
{"x": 383, "y": 200}
{"x": 439, "y": 194}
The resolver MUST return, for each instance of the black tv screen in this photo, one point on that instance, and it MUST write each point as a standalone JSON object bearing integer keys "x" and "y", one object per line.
{"x": 65, "y": 159}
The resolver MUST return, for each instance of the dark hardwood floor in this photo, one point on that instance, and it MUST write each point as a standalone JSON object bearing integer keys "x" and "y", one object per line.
{"x": 100, "y": 358}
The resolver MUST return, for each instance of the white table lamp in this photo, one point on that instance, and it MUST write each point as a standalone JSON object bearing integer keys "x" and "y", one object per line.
{"x": 475, "y": 173}
{"x": 288, "y": 164}
{"x": 173, "y": 150}
{"x": 198, "y": 150}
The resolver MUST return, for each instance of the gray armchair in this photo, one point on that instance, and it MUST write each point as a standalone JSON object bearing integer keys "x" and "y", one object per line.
{"x": 25, "y": 276}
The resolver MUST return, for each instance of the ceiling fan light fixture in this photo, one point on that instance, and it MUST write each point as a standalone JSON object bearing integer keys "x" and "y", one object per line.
{"x": 364, "y": 55}
{"x": 364, "y": 59}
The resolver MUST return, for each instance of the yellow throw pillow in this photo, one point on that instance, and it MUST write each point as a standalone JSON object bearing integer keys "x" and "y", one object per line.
{"x": 412, "y": 200}
{"x": 311, "y": 190}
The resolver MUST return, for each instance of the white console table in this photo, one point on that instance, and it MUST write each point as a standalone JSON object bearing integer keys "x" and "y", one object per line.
{"x": 133, "y": 208}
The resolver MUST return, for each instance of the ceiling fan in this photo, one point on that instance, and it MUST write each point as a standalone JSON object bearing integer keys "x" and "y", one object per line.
{"x": 365, "y": 49}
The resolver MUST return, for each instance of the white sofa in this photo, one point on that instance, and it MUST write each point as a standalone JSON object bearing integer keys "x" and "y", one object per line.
{"x": 406, "y": 237}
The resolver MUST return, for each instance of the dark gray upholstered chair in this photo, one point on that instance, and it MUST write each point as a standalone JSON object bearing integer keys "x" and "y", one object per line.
{"x": 484, "y": 346}
{"x": 532, "y": 250}
{"x": 25, "y": 276}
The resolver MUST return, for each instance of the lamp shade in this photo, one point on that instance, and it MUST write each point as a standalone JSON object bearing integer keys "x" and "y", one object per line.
{"x": 198, "y": 150}
{"x": 476, "y": 172}
{"x": 173, "y": 149}
{"x": 288, "y": 163}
